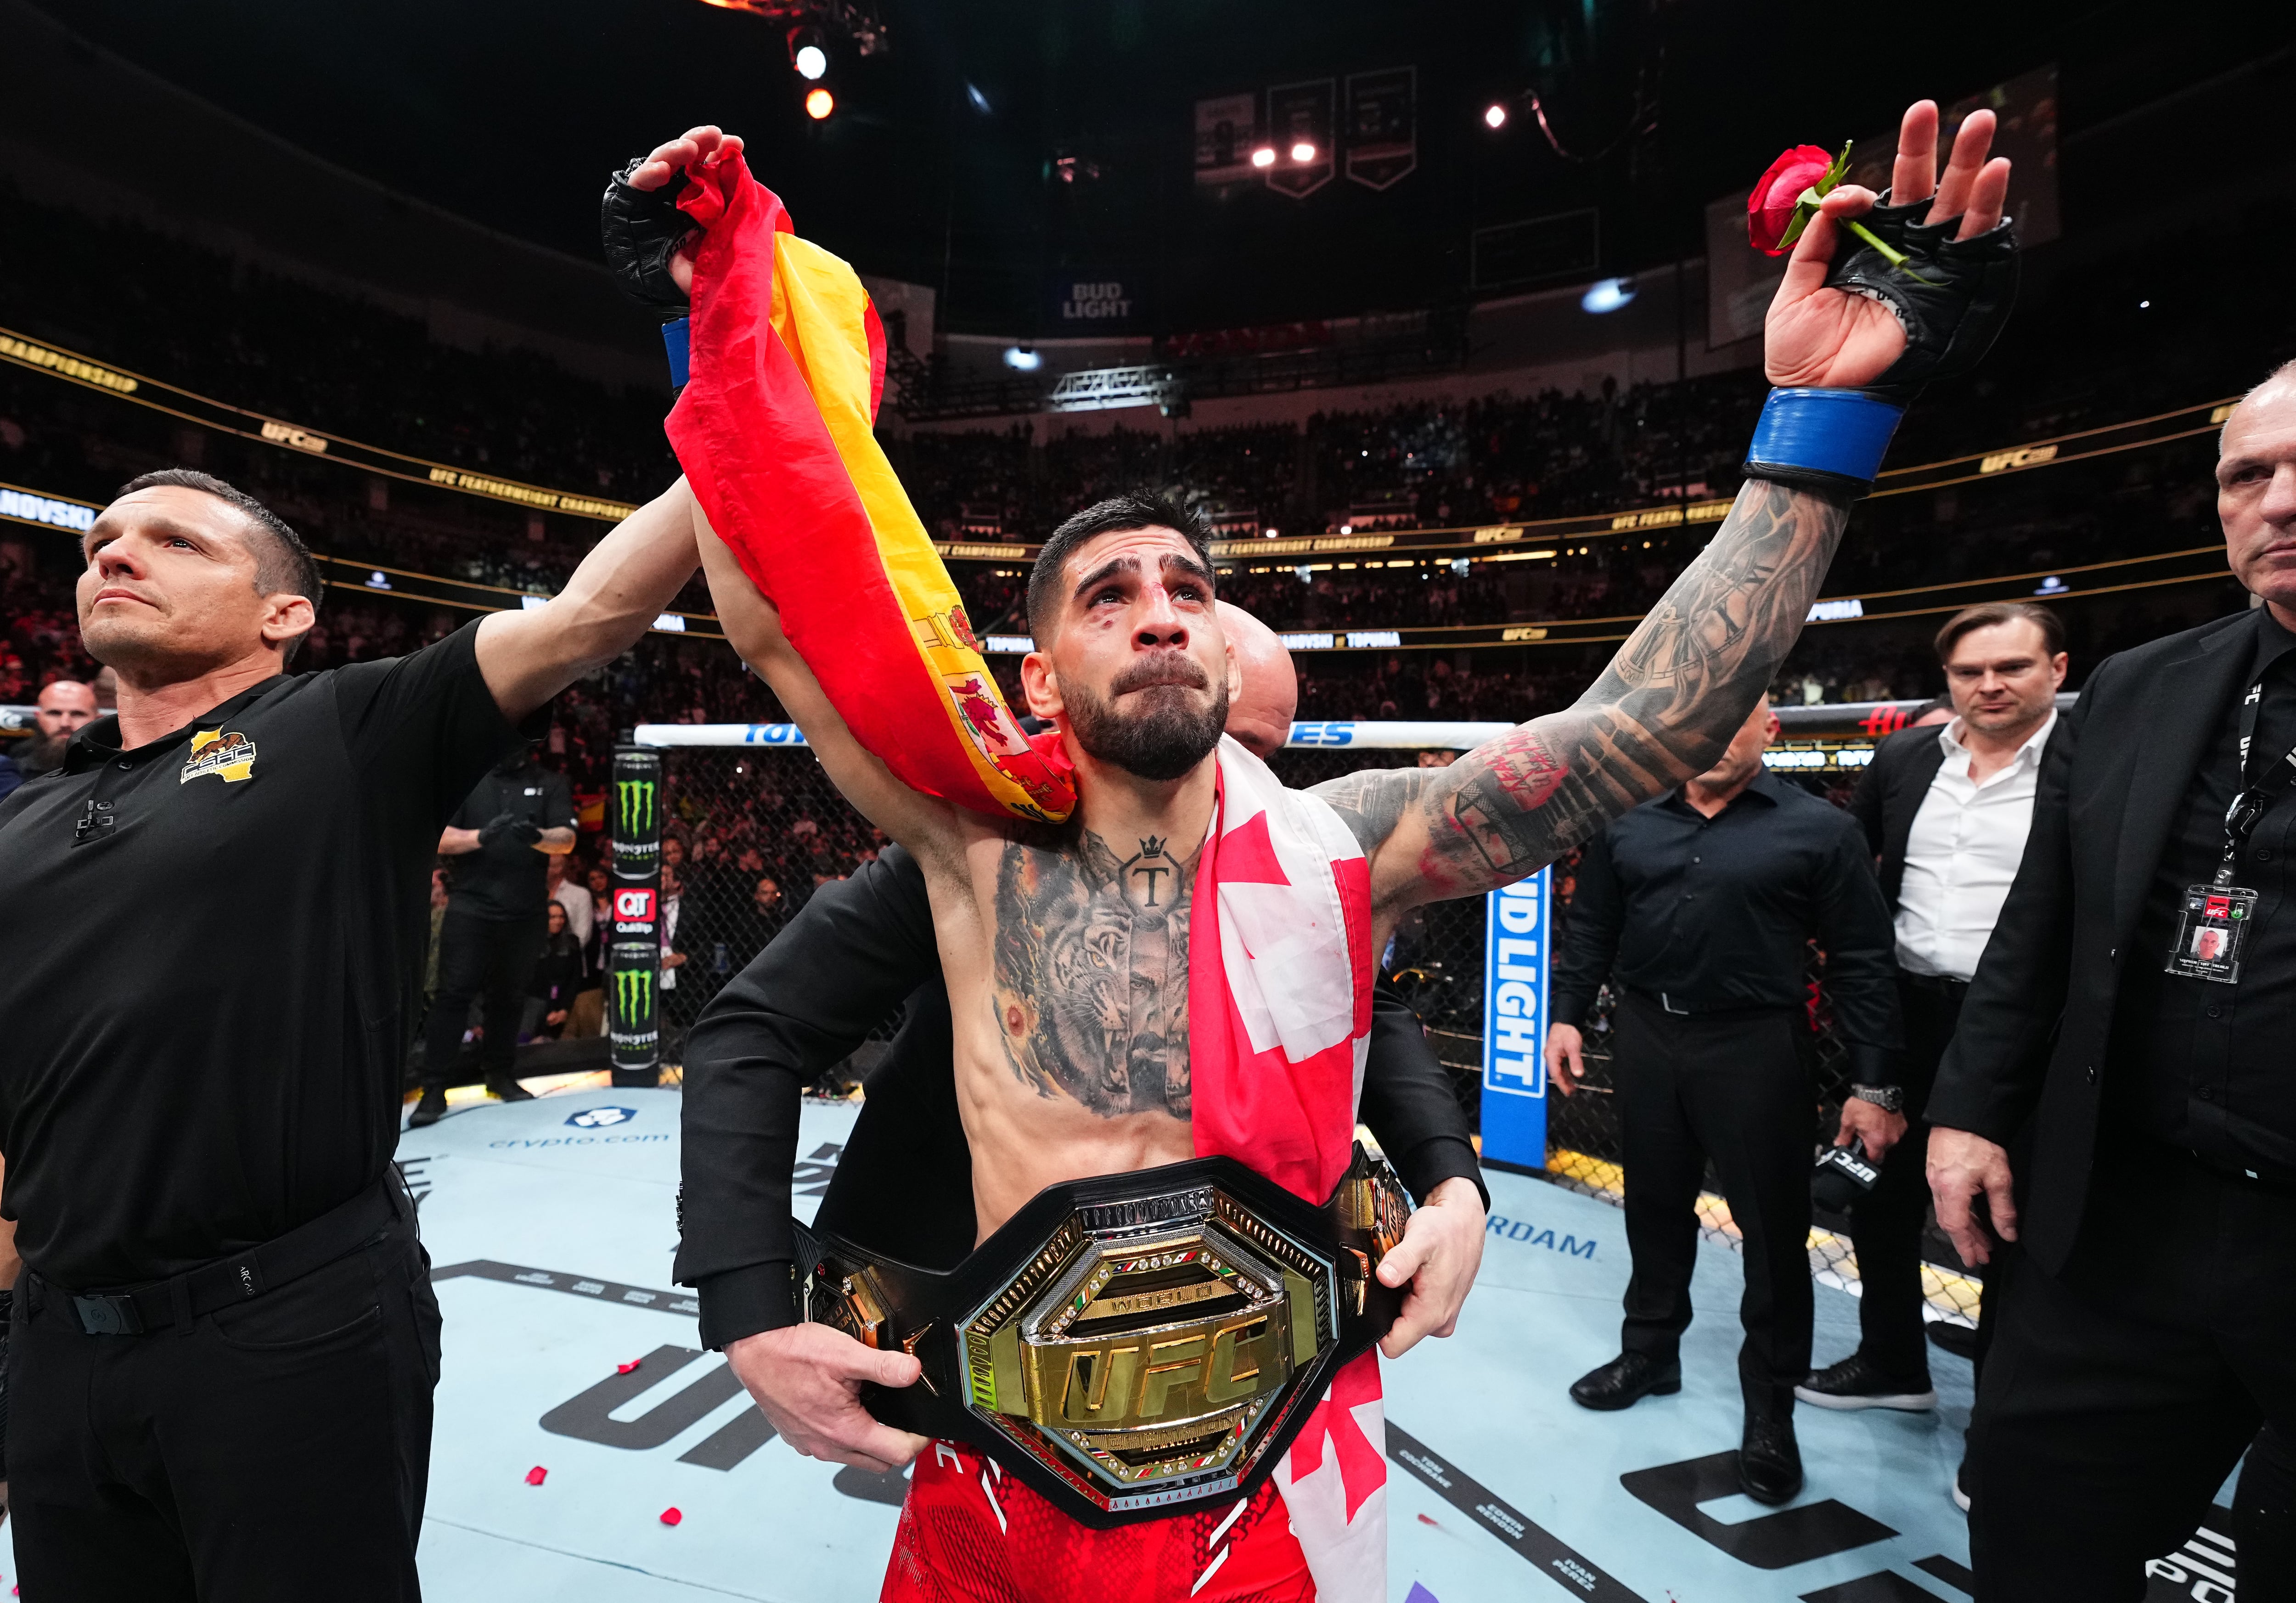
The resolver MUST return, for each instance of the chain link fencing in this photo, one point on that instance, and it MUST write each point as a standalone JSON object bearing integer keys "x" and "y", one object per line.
{"x": 758, "y": 829}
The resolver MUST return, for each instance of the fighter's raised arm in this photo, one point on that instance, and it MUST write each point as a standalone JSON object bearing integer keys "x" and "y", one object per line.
{"x": 1845, "y": 359}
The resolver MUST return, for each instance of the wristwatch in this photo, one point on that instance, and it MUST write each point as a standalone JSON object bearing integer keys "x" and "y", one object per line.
{"x": 1889, "y": 1099}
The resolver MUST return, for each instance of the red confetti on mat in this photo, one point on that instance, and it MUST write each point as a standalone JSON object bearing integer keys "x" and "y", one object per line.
{"x": 624, "y": 1368}
{"x": 534, "y": 1477}
{"x": 670, "y": 1517}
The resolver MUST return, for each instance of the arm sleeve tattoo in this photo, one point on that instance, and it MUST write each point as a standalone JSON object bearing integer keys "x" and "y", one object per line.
{"x": 1662, "y": 712}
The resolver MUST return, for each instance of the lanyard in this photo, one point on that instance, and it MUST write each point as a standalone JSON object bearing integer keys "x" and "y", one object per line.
{"x": 2256, "y": 796}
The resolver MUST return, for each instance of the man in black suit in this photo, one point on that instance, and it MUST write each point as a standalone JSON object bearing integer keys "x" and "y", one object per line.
{"x": 1945, "y": 810}
{"x": 2135, "y": 1005}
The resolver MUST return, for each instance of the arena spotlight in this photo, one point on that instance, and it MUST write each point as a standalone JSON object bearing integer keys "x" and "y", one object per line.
{"x": 808, "y": 52}
{"x": 1495, "y": 115}
{"x": 1023, "y": 359}
{"x": 819, "y": 103}
{"x": 979, "y": 100}
{"x": 1607, "y": 294}
{"x": 1263, "y": 156}
{"x": 1303, "y": 151}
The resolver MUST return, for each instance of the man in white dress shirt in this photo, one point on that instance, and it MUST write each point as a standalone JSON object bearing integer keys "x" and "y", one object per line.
{"x": 1947, "y": 810}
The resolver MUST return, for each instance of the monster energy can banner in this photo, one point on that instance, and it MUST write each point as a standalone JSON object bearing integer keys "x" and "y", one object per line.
{"x": 633, "y": 937}
{"x": 1516, "y": 953}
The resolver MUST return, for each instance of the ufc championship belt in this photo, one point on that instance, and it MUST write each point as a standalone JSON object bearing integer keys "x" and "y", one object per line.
{"x": 1134, "y": 1345}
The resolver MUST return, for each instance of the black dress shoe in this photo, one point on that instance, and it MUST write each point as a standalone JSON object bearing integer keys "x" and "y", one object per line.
{"x": 429, "y": 1110}
{"x": 508, "y": 1090}
{"x": 1769, "y": 1460}
{"x": 1625, "y": 1381}
{"x": 1857, "y": 1382}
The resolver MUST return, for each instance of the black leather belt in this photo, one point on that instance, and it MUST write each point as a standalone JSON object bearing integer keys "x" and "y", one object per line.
{"x": 163, "y": 1304}
{"x": 1676, "y": 1008}
{"x": 1135, "y": 1344}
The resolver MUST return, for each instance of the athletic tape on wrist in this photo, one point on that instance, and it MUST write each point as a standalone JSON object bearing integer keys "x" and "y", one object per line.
{"x": 677, "y": 341}
{"x": 1831, "y": 437}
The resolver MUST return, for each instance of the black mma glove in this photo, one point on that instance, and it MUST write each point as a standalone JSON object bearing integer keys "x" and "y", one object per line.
{"x": 642, "y": 229}
{"x": 495, "y": 828}
{"x": 1952, "y": 319}
{"x": 525, "y": 831}
{"x": 1951, "y": 297}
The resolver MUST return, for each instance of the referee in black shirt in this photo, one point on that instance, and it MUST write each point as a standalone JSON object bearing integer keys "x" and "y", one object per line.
{"x": 223, "y": 1345}
{"x": 1702, "y": 904}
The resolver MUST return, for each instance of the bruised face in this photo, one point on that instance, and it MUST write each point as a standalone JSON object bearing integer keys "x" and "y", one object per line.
{"x": 1137, "y": 668}
{"x": 171, "y": 589}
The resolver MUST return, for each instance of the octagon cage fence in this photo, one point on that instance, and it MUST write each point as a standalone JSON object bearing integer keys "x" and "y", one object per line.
{"x": 749, "y": 803}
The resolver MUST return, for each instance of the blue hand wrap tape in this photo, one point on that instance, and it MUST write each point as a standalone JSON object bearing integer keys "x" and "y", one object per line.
{"x": 1839, "y": 431}
{"x": 676, "y": 339}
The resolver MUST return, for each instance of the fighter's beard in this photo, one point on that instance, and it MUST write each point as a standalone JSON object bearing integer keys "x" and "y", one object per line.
{"x": 1167, "y": 740}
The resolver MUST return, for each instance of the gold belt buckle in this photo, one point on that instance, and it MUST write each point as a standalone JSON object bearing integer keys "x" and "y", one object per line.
{"x": 1149, "y": 1344}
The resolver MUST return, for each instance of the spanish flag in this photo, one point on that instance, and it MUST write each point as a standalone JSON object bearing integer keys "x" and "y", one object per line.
{"x": 773, "y": 430}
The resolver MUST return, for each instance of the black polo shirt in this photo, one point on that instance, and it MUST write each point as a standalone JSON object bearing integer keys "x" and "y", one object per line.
{"x": 1717, "y": 913}
{"x": 507, "y": 878}
{"x": 210, "y": 957}
{"x": 2196, "y": 1064}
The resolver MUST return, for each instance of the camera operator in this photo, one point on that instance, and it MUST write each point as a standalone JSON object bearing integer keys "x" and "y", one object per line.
{"x": 1945, "y": 810}
{"x": 2133, "y": 1008}
{"x": 1702, "y": 904}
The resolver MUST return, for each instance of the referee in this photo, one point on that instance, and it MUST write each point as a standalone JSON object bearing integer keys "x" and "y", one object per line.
{"x": 1702, "y": 905}
{"x": 224, "y": 1342}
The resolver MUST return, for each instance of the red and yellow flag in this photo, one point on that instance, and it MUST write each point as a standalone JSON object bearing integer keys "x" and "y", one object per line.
{"x": 774, "y": 431}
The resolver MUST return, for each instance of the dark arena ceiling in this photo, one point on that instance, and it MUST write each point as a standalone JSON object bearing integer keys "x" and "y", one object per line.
{"x": 992, "y": 144}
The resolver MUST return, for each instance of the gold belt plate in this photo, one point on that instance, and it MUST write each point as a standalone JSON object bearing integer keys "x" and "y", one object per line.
{"x": 1149, "y": 1343}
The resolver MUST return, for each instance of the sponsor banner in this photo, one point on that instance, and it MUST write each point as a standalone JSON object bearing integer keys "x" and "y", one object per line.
{"x": 1226, "y": 127}
{"x": 222, "y": 417}
{"x": 1300, "y": 116}
{"x": 1090, "y": 301}
{"x": 468, "y": 596}
{"x": 634, "y": 809}
{"x": 1517, "y": 928}
{"x": 49, "y": 512}
{"x": 1382, "y": 125}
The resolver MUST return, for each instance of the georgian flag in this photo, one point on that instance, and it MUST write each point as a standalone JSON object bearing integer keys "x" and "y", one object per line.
{"x": 1279, "y": 1022}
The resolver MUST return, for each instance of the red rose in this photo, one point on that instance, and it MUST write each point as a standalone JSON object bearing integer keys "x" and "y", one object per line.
{"x": 1770, "y": 209}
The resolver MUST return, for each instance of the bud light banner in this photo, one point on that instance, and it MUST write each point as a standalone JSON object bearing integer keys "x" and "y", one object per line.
{"x": 633, "y": 936}
{"x": 1095, "y": 300}
{"x": 1516, "y": 953}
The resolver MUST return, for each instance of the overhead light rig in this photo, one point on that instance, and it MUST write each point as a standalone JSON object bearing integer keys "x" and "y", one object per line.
{"x": 819, "y": 30}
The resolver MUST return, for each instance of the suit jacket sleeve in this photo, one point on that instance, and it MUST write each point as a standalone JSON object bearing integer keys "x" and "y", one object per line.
{"x": 1589, "y": 942}
{"x": 1410, "y": 1106}
{"x": 805, "y": 1003}
{"x": 1990, "y": 1079}
{"x": 1861, "y": 971}
{"x": 1865, "y": 801}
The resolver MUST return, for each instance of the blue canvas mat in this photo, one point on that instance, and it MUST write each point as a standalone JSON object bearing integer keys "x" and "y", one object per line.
{"x": 551, "y": 1227}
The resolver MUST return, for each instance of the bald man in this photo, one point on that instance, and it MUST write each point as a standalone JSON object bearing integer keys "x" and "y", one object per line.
{"x": 63, "y": 709}
{"x": 1259, "y": 714}
{"x": 2127, "y": 1030}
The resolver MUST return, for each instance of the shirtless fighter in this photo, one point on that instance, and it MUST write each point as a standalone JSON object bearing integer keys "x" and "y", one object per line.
{"x": 1080, "y": 1033}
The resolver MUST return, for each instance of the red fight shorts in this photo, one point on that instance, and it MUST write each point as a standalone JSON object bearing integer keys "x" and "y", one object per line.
{"x": 972, "y": 1533}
